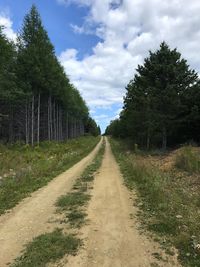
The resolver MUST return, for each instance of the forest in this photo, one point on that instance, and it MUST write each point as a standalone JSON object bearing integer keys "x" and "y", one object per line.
{"x": 162, "y": 103}
{"x": 37, "y": 100}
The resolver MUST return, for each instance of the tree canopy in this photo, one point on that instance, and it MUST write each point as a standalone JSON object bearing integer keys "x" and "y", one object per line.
{"x": 37, "y": 99}
{"x": 161, "y": 102}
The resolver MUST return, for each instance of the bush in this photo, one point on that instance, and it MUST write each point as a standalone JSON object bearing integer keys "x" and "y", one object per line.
{"x": 188, "y": 159}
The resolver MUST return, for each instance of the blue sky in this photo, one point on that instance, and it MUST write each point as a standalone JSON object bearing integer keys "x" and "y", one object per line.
{"x": 101, "y": 42}
{"x": 57, "y": 21}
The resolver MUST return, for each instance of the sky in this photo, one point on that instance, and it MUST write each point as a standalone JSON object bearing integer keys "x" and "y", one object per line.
{"x": 101, "y": 42}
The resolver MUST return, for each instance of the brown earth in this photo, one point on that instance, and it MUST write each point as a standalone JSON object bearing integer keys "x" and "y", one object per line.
{"x": 31, "y": 217}
{"x": 112, "y": 237}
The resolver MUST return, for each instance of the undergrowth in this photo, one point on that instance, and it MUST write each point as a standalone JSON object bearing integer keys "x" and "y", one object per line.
{"x": 24, "y": 169}
{"x": 188, "y": 159}
{"x": 169, "y": 203}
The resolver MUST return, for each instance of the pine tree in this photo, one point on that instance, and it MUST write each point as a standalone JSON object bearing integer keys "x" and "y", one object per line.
{"x": 159, "y": 103}
{"x": 168, "y": 77}
{"x": 8, "y": 87}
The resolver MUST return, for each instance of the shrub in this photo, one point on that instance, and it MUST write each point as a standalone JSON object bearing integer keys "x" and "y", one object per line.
{"x": 188, "y": 159}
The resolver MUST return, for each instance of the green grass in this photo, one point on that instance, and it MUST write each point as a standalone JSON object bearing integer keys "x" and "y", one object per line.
{"x": 188, "y": 159}
{"x": 76, "y": 218}
{"x": 74, "y": 202}
{"x": 24, "y": 169}
{"x": 169, "y": 202}
{"x": 48, "y": 248}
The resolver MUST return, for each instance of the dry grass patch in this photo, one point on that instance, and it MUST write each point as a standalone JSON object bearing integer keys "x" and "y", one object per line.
{"x": 169, "y": 198}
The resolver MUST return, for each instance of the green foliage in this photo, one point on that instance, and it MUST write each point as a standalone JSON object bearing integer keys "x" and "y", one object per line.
{"x": 72, "y": 199}
{"x": 161, "y": 101}
{"x": 188, "y": 159}
{"x": 115, "y": 129}
{"x": 37, "y": 99}
{"x": 39, "y": 69}
{"x": 24, "y": 169}
{"x": 47, "y": 248}
{"x": 92, "y": 128}
{"x": 8, "y": 88}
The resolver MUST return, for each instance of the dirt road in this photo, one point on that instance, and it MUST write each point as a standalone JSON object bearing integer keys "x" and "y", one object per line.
{"x": 112, "y": 238}
{"x": 30, "y": 218}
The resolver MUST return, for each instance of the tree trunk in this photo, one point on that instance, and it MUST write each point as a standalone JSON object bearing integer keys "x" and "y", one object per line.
{"x": 61, "y": 128}
{"x": 67, "y": 128}
{"x": 148, "y": 139}
{"x": 11, "y": 124}
{"x": 57, "y": 123}
{"x": 27, "y": 121}
{"x": 164, "y": 138}
{"x": 54, "y": 120}
{"x": 32, "y": 120}
{"x": 49, "y": 118}
{"x": 51, "y": 123}
{"x": 38, "y": 121}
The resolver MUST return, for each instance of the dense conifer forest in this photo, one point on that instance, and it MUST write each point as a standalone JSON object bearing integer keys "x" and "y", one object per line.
{"x": 37, "y": 100}
{"x": 162, "y": 102}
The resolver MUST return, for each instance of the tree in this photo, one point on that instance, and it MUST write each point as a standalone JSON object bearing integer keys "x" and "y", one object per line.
{"x": 92, "y": 128}
{"x": 39, "y": 101}
{"x": 158, "y": 99}
{"x": 36, "y": 64}
{"x": 8, "y": 86}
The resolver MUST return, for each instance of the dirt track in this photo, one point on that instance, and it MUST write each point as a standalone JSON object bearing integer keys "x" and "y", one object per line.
{"x": 30, "y": 218}
{"x": 112, "y": 239}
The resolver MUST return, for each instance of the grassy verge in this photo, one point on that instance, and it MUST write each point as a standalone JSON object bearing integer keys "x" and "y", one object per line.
{"x": 188, "y": 159}
{"x": 24, "y": 169}
{"x": 169, "y": 202}
{"x": 48, "y": 248}
{"x": 51, "y": 247}
{"x": 73, "y": 203}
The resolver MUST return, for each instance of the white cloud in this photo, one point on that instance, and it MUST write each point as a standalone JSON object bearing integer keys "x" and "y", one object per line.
{"x": 129, "y": 29}
{"x": 7, "y": 24}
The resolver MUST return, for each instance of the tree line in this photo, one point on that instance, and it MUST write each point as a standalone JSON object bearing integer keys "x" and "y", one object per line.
{"x": 162, "y": 102}
{"x": 37, "y": 100}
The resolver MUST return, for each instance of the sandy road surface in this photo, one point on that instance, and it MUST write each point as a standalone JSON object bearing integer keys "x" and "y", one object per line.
{"x": 112, "y": 239}
{"x": 29, "y": 218}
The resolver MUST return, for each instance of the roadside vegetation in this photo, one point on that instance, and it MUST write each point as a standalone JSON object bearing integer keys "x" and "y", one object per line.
{"x": 24, "y": 169}
{"x": 52, "y": 247}
{"x": 188, "y": 159}
{"x": 168, "y": 190}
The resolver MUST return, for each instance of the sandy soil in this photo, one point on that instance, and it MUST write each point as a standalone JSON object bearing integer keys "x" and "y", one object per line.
{"x": 112, "y": 238}
{"x": 30, "y": 218}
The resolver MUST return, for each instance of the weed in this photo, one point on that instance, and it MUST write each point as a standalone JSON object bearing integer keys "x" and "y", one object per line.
{"x": 48, "y": 248}
{"x": 76, "y": 218}
{"x": 72, "y": 200}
